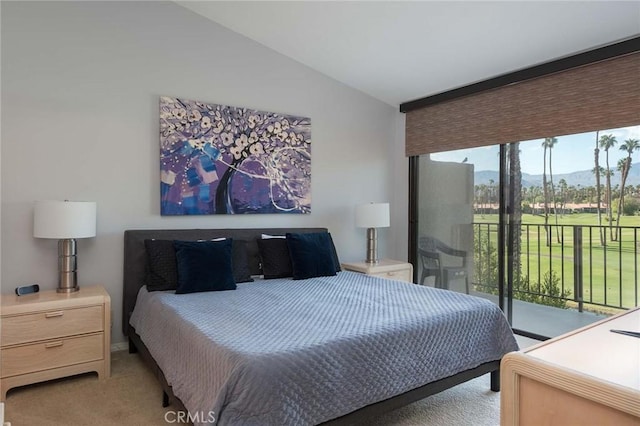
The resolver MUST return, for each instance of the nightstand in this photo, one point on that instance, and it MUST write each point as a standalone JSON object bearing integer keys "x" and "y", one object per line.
{"x": 385, "y": 268}
{"x": 50, "y": 335}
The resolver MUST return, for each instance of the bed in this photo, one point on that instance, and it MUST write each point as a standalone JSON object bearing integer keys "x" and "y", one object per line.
{"x": 337, "y": 350}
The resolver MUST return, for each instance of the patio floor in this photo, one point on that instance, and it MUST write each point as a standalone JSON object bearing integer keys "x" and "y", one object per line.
{"x": 545, "y": 320}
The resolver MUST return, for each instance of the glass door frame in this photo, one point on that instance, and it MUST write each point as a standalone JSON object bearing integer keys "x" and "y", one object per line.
{"x": 506, "y": 234}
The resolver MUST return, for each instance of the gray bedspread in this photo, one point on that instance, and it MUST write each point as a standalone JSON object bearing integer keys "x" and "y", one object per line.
{"x": 284, "y": 352}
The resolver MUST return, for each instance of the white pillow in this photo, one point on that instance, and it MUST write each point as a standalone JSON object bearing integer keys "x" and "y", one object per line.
{"x": 267, "y": 236}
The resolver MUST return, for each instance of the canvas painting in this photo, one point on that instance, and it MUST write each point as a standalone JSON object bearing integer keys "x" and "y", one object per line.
{"x": 218, "y": 159}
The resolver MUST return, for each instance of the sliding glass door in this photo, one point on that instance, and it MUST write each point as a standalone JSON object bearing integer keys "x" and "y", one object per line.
{"x": 548, "y": 229}
{"x": 457, "y": 220}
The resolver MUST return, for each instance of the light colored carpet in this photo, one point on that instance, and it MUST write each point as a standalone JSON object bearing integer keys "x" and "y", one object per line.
{"x": 471, "y": 403}
{"x": 133, "y": 396}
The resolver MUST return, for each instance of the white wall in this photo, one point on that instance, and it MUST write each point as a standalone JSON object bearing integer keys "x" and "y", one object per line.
{"x": 80, "y": 89}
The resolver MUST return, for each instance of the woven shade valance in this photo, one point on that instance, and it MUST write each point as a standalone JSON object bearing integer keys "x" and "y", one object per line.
{"x": 601, "y": 95}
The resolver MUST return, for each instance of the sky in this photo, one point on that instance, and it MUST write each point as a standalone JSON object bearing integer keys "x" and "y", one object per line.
{"x": 572, "y": 153}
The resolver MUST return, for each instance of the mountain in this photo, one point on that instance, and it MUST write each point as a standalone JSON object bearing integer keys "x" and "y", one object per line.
{"x": 583, "y": 178}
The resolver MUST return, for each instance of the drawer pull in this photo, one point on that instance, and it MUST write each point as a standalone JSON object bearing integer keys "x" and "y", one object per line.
{"x": 54, "y": 314}
{"x": 53, "y": 344}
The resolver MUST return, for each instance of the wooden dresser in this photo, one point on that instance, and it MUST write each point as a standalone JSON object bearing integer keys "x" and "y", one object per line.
{"x": 385, "y": 268}
{"x": 49, "y": 335}
{"x": 590, "y": 376}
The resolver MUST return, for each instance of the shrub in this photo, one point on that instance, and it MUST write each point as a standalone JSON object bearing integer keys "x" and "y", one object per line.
{"x": 485, "y": 259}
{"x": 631, "y": 206}
{"x": 549, "y": 292}
{"x": 485, "y": 277}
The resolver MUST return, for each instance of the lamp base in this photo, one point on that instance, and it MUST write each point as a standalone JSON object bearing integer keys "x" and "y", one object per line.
{"x": 67, "y": 263}
{"x": 372, "y": 246}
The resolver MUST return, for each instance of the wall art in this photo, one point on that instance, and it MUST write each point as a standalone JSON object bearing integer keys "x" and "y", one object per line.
{"x": 219, "y": 159}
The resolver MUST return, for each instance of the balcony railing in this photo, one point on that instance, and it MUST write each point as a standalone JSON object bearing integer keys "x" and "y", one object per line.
{"x": 565, "y": 265}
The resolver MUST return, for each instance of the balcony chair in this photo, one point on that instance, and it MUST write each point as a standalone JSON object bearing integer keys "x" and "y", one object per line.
{"x": 430, "y": 250}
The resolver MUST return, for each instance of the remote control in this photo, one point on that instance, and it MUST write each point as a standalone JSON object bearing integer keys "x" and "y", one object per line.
{"x": 27, "y": 289}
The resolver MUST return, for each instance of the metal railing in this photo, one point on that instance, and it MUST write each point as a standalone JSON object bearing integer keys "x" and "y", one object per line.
{"x": 584, "y": 264}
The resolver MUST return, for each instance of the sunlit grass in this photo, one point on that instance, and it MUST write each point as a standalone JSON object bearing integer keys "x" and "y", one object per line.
{"x": 618, "y": 287}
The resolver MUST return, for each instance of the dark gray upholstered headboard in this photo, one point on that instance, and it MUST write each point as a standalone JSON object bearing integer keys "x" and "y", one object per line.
{"x": 135, "y": 258}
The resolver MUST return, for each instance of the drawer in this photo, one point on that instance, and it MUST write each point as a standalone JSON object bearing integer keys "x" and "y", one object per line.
{"x": 400, "y": 275}
{"x": 51, "y": 354}
{"x": 51, "y": 324}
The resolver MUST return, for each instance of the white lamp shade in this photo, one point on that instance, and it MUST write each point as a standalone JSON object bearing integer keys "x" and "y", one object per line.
{"x": 373, "y": 215}
{"x": 64, "y": 219}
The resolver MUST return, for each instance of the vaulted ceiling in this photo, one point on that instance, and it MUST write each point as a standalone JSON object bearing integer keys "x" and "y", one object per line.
{"x": 398, "y": 51}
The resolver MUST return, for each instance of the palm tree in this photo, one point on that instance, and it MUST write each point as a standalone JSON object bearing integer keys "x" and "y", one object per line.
{"x": 548, "y": 144}
{"x": 552, "y": 142}
{"x": 491, "y": 191}
{"x": 483, "y": 193}
{"x": 606, "y": 142}
{"x": 564, "y": 189}
{"x": 534, "y": 193}
{"x": 516, "y": 190}
{"x": 630, "y": 145}
{"x": 573, "y": 194}
{"x": 596, "y": 171}
{"x": 545, "y": 190}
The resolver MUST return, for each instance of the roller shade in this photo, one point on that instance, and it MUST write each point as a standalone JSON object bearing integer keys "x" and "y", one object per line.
{"x": 601, "y": 95}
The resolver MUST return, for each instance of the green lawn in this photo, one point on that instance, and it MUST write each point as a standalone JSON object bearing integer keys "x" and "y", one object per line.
{"x": 568, "y": 219}
{"x": 617, "y": 288}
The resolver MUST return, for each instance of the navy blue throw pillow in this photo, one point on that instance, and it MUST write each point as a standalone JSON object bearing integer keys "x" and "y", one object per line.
{"x": 334, "y": 254}
{"x": 162, "y": 273}
{"x": 274, "y": 257}
{"x": 240, "y": 263}
{"x": 204, "y": 266}
{"x": 312, "y": 255}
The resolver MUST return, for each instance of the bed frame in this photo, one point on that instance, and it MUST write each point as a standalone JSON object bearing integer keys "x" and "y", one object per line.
{"x": 134, "y": 274}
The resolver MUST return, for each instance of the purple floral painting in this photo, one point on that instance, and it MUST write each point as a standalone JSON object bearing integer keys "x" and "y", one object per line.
{"x": 218, "y": 159}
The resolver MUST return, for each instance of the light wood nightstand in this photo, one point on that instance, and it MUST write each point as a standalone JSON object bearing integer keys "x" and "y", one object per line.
{"x": 50, "y": 335}
{"x": 587, "y": 376}
{"x": 385, "y": 268}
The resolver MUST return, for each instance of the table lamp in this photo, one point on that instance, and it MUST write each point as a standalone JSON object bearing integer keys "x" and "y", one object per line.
{"x": 65, "y": 221}
{"x": 372, "y": 216}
